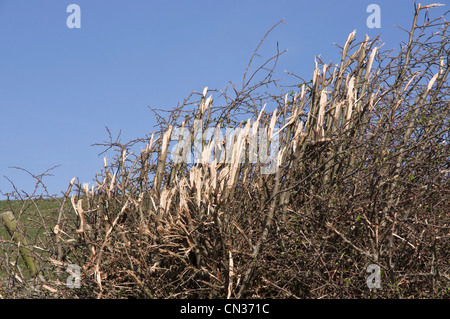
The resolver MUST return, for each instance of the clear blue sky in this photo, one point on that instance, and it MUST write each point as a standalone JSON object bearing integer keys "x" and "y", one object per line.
{"x": 60, "y": 87}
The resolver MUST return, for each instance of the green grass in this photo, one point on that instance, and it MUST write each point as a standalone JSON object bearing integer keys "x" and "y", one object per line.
{"x": 28, "y": 213}
{"x": 44, "y": 205}
{"x": 31, "y": 217}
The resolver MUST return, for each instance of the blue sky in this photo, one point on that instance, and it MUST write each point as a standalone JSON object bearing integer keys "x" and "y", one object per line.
{"x": 60, "y": 87}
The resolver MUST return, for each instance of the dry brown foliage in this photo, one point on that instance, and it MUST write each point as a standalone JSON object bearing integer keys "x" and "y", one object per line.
{"x": 362, "y": 178}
